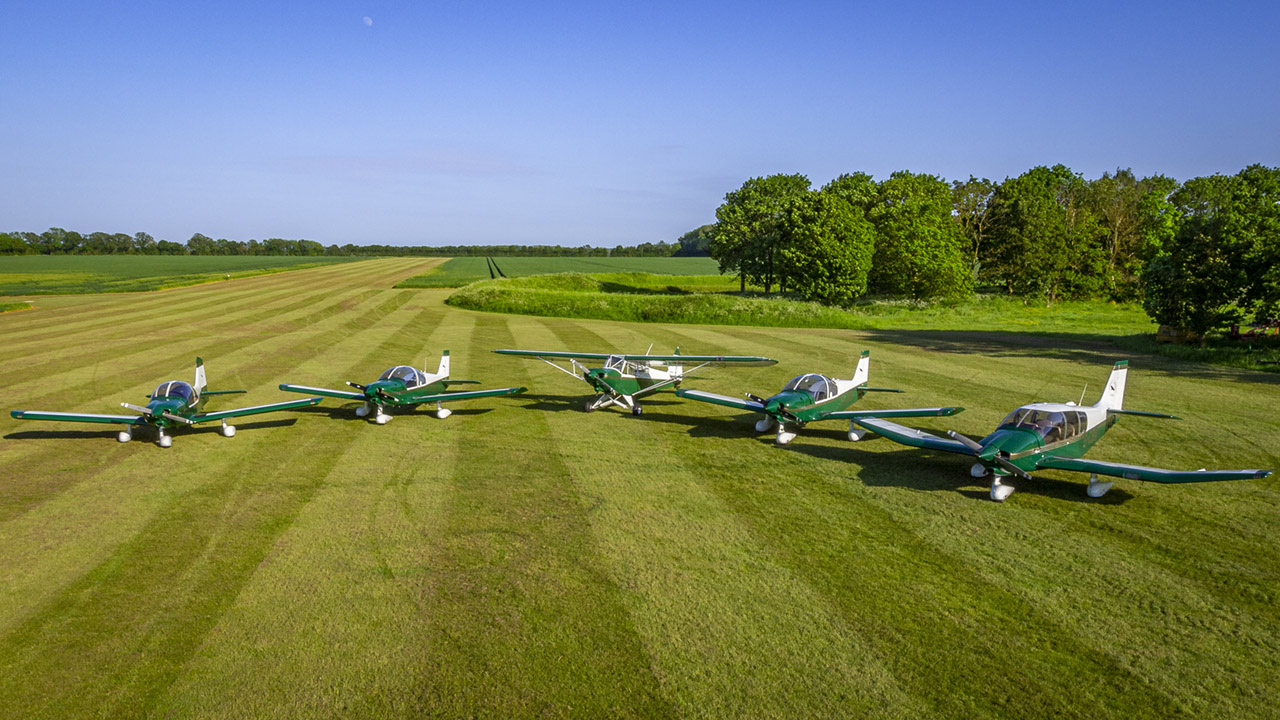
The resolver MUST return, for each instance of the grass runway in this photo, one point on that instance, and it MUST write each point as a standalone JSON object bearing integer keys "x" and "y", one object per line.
{"x": 522, "y": 558}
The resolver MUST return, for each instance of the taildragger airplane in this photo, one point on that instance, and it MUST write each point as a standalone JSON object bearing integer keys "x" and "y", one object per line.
{"x": 811, "y": 397}
{"x": 624, "y": 379}
{"x": 404, "y": 385}
{"x": 171, "y": 404}
{"x": 1053, "y": 436}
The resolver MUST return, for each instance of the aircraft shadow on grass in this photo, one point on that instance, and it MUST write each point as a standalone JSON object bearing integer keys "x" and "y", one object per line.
{"x": 197, "y": 430}
{"x": 556, "y": 403}
{"x": 347, "y": 411}
{"x": 1082, "y": 348}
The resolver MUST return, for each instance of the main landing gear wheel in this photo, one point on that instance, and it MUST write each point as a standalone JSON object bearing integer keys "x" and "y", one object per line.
{"x": 165, "y": 440}
{"x": 636, "y": 410}
{"x": 124, "y": 436}
{"x": 590, "y": 406}
{"x": 228, "y": 430}
{"x": 362, "y": 411}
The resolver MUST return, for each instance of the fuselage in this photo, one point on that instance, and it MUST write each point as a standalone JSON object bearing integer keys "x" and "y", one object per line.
{"x": 808, "y": 397}
{"x": 400, "y": 385}
{"x": 1033, "y": 431}
{"x": 621, "y": 377}
{"x": 174, "y": 397}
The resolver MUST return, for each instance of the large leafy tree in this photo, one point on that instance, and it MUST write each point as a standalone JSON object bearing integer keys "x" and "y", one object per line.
{"x": 1046, "y": 240}
{"x": 1138, "y": 219}
{"x": 971, "y": 200}
{"x": 826, "y": 248}
{"x": 920, "y": 251}
{"x": 695, "y": 243}
{"x": 748, "y": 227}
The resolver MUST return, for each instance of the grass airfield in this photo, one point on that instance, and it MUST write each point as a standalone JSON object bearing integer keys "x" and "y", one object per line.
{"x": 522, "y": 558}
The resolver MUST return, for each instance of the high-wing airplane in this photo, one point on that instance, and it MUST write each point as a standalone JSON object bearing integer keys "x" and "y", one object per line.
{"x": 1053, "y": 436}
{"x": 171, "y": 404}
{"x": 624, "y": 379}
{"x": 404, "y": 385}
{"x": 811, "y": 397}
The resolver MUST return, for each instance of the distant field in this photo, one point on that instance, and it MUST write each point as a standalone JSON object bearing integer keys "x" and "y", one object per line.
{"x": 460, "y": 271}
{"x": 75, "y": 274}
{"x": 523, "y": 559}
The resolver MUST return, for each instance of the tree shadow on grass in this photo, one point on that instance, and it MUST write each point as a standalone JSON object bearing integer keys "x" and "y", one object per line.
{"x": 1082, "y": 348}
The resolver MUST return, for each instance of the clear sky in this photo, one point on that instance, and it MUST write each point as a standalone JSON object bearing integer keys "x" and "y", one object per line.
{"x": 596, "y": 123}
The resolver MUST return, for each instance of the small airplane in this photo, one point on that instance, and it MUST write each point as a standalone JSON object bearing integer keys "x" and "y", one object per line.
{"x": 405, "y": 385}
{"x": 171, "y": 404}
{"x": 1053, "y": 436}
{"x": 811, "y": 397}
{"x": 624, "y": 379}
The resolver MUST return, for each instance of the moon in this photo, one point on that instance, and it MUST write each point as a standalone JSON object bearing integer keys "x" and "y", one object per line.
{"x": 368, "y": 21}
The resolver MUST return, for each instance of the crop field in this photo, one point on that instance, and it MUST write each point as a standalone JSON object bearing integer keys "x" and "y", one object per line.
{"x": 459, "y": 271}
{"x": 525, "y": 559}
{"x": 57, "y": 274}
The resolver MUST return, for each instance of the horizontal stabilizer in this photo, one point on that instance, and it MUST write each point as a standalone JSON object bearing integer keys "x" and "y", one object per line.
{"x": 1141, "y": 413}
{"x": 77, "y": 417}
{"x": 1138, "y": 472}
{"x": 254, "y": 410}
{"x": 911, "y": 436}
{"x": 876, "y": 389}
{"x": 725, "y": 400}
{"x": 447, "y": 383}
{"x": 206, "y": 393}
{"x": 344, "y": 394}
{"x": 901, "y": 413}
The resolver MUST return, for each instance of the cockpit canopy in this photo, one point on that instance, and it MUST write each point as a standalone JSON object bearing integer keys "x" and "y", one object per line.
{"x": 819, "y": 386}
{"x": 1052, "y": 425}
{"x": 174, "y": 389}
{"x": 411, "y": 377}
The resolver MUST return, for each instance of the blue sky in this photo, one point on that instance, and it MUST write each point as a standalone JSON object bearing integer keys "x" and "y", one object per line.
{"x": 596, "y": 123}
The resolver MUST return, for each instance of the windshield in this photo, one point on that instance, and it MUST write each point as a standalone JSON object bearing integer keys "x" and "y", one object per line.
{"x": 816, "y": 385}
{"x": 174, "y": 389}
{"x": 1047, "y": 424}
{"x": 409, "y": 376}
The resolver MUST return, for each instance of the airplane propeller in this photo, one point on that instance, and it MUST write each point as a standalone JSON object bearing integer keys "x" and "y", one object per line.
{"x": 358, "y": 386}
{"x": 988, "y": 455}
{"x": 152, "y": 414}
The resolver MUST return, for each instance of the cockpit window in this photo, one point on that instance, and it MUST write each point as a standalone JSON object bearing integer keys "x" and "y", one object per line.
{"x": 174, "y": 389}
{"x": 816, "y": 385}
{"x": 1047, "y": 424}
{"x": 408, "y": 375}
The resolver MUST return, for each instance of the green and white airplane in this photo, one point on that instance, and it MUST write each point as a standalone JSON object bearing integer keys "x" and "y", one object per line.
{"x": 1053, "y": 436}
{"x": 171, "y": 404}
{"x": 811, "y": 397}
{"x": 404, "y": 385}
{"x": 624, "y": 379}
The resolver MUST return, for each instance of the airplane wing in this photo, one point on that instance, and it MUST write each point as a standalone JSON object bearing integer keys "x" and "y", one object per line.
{"x": 901, "y": 413}
{"x": 254, "y": 410}
{"x": 1138, "y": 472}
{"x": 748, "y": 360}
{"x": 464, "y": 395}
{"x": 911, "y": 436}
{"x": 344, "y": 394}
{"x": 556, "y": 354}
{"x": 78, "y": 417}
{"x": 725, "y": 400}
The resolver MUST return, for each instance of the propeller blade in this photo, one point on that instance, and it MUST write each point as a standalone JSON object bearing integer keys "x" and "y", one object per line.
{"x": 357, "y": 386}
{"x": 1012, "y": 468}
{"x": 755, "y": 398}
{"x": 968, "y": 442}
{"x": 138, "y": 409}
{"x": 177, "y": 418}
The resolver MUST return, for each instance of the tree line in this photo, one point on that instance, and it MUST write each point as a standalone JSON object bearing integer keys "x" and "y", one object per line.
{"x": 57, "y": 241}
{"x": 1197, "y": 254}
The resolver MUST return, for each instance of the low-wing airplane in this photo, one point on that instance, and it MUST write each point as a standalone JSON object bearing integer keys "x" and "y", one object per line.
{"x": 811, "y": 397}
{"x": 624, "y": 379}
{"x": 1053, "y": 436}
{"x": 404, "y": 385}
{"x": 171, "y": 404}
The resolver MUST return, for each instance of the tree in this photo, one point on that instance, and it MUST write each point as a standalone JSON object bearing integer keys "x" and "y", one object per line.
{"x": 919, "y": 249}
{"x": 1137, "y": 219}
{"x": 747, "y": 230}
{"x": 1045, "y": 239}
{"x": 12, "y": 244}
{"x": 144, "y": 244}
{"x": 826, "y": 248}
{"x": 695, "y": 243}
{"x": 972, "y": 202}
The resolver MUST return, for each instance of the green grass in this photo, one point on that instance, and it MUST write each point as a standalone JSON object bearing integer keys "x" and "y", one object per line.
{"x": 11, "y": 307}
{"x": 524, "y": 559}
{"x": 460, "y": 271}
{"x": 62, "y": 274}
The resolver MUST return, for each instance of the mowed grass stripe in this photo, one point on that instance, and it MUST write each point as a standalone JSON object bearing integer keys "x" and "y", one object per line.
{"x": 731, "y": 632}
{"x": 331, "y": 622}
{"x": 523, "y": 619}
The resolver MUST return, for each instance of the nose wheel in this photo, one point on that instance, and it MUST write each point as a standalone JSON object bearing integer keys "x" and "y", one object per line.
{"x": 636, "y": 409}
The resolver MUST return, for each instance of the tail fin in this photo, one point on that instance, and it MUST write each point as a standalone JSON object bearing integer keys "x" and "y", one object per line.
{"x": 444, "y": 365}
{"x": 1113, "y": 396}
{"x": 200, "y": 383}
{"x": 863, "y": 373}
